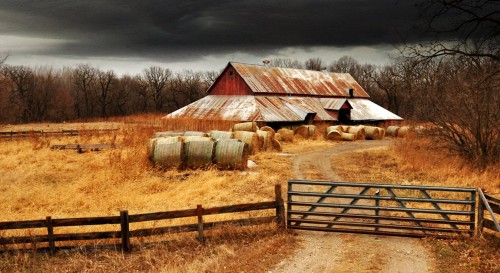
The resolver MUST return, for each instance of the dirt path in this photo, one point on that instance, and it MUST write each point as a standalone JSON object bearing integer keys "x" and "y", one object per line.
{"x": 338, "y": 252}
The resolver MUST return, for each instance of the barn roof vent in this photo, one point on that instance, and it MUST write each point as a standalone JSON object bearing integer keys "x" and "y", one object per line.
{"x": 266, "y": 62}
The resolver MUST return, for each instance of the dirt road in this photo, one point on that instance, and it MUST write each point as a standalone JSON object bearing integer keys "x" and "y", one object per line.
{"x": 338, "y": 252}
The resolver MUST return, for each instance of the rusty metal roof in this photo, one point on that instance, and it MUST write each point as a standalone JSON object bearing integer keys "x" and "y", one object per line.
{"x": 264, "y": 79}
{"x": 332, "y": 103}
{"x": 363, "y": 109}
{"x": 253, "y": 108}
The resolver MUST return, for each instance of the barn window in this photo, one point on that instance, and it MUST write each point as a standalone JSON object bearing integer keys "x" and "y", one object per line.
{"x": 231, "y": 73}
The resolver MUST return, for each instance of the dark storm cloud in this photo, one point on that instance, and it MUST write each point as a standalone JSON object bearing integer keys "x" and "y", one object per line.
{"x": 182, "y": 29}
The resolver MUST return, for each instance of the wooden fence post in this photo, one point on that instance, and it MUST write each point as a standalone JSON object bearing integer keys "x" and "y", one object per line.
{"x": 480, "y": 217}
{"x": 377, "y": 204}
{"x": 280, "y": 207}
{"x": 125, "y": 231}
{"x": 199, "y": 212}
{"x": 50, "y": 234}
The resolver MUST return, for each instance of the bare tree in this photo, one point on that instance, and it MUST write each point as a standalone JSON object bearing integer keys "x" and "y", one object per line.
{"x": 314, "y": 64}
{"x": 156, "y": 80}
{"x": 346, "y": 64}
{"x": 286, "y": 63}
{"x": 84, "y": 80}
{"x": 106, "y": 81}
{"x": 22, "y": 92}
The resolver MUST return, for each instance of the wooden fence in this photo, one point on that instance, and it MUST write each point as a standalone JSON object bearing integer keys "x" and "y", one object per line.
{"x": 124, "y": 220}
{"x": 492, "y": 206}
{"x": 42, "y": 133}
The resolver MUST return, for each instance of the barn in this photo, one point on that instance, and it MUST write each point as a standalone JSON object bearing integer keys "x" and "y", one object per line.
{"x": 278, "y": 96}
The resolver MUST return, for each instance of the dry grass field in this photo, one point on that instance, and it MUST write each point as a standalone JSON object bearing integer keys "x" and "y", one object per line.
{"x": 37, "y": 182}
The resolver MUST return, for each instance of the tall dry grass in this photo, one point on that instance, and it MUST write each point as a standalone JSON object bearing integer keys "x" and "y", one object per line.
{"x": 37, "y": 182}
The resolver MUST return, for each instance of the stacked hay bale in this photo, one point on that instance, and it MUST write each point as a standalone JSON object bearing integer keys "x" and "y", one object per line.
{"x": 286, "y": 135}
{"x": 155, "y": 141}
{"x": 221, "y": 135}
{"x": 334, "y": 133}
{"x": 250, "y": 126}
{"x": 199, "y": 154}
{"x": 264, "y": 140}
{"x": 392, "y": 131}
{"x": 169, "y": 155}
{"x": 372, "y": 133}
{"x": 358, "y": 131}
{"x": 231, "y": 154}
{"x": 196, "y": 138}
{"x": 348, "y": 137}
{"x": 250, "y": 138}
{"x": 305, "y": 131}
{"x": 403, "y": 131}
{"x": 167, "y": 134}
{"x": 195, "y": 133}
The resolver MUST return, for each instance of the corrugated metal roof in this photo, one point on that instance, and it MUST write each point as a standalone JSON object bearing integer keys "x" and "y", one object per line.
{"x": 363, "y": 109}
{"x": 253, "y": 108}
{"x": 332, "y": 103}
{"x": 263, "y": 79}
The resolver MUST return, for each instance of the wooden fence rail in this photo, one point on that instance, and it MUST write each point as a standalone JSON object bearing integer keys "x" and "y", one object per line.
{"x": 124, "y": 220}
{"x": 39, "y": 133}
{"x": 492, "y": 206}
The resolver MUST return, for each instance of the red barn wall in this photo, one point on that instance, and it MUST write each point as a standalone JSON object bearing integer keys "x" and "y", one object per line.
{"x": 230, "y": 83}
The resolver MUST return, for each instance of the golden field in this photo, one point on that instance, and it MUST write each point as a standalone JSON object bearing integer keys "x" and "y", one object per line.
{"x": 37, "y": 182}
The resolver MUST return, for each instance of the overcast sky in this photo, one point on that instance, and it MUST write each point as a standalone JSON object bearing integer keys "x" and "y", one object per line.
{"x": 127, "y": 36}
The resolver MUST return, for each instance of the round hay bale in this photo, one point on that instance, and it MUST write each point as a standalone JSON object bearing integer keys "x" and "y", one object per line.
{"x": 231, "y": 154}
{"x": 276, "y": 145}
{"x": 199, "y": 154}
{"x": 277, "y": 136}
{"x": 169, "y": 155}
{"x": 345, "y": 128}
{"x": 167, "y": 134}
{"x": 336, "y": 128}
{"x": 250, "y": 138}
{"x": 403, "y": 131}
{"x": 348, "y": 137}
{"x": 302, "y": 131}
{"x": 155, "y": 141}
{"x": 286, "y": 135}
{"x": 195, "y": 133}
{"x": 358, "y": 131}
{"x": 312, "y": 130}
{"x": 264, "y": 140}
{"x": 250, "y": 126}
{"x": 196, "y": 138}
{"x": 268, "y": 129}
{"x": 372, "y": 133}
{"x": 392, "y": 131}
{"x": 221, "y": 135}
{"x": 334, "y": 135}
{"x": 381, "y": 132}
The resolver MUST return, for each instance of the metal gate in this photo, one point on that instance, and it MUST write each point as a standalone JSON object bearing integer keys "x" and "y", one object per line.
{"x": 398, "y": 210}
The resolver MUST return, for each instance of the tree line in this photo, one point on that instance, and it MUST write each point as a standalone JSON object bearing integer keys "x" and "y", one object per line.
{"x": 45, "y": 94}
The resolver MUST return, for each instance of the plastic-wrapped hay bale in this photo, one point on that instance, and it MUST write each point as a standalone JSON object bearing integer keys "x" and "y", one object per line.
{"x": 381, "y": 132}
{"x": 403, "y": 131}
{"x": 221, "y": 135}
{"x": 155, "y": 141}
{"x": 277, "y": 136}
{"x": 169, "y": 155}
{"x": 276, "y": 145}
{"x": 195, "y": 133}
{"x": 358, "y": 131}
{"x": 196, "y": 138}
{"x": 199, "y": 154}
{"x": 250, "y": 138}
{"x": 372, "y": 133}
{"x": 231, "y": 154}
{"x": 348, "y": 137}
{"x": 286, "y": 135}
{"x": 264, "y": 140}
{"x": 167, "y": 134}
{"x": 250, "y": 126}
{"x": 302, "y": 131}
{"x": 392, "y": 131}
{"x": 334, "y": 135}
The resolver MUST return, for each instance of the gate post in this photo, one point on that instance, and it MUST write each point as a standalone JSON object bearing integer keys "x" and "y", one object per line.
{"x": 280, "y": 207}
{"x": 377, "y": 204}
